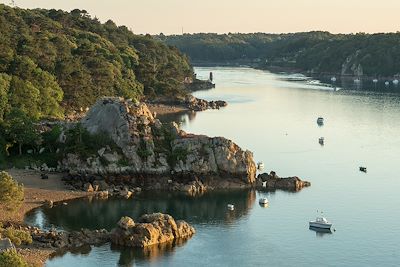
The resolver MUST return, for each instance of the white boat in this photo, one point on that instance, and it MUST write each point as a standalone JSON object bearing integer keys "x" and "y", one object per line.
{"x": 357, "y": 81}
{"x": 333, "y": 79}
{"x": 263, "y": 201}
{"x": 396, "y": 82}
{"x": 260, "y": 166}
{"x": 387, "y": 83}
{"x": 320, "y": 222}
{"x": 320, "y": 120}
{"x": 231, "y": 207}
{"x": 375, "y": 80}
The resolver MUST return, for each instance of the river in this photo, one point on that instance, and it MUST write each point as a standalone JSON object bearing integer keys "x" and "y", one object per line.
{"x": 276, "y": 119}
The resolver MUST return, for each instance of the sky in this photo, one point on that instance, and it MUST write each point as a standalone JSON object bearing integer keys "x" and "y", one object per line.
{"x": 223, "y": 16}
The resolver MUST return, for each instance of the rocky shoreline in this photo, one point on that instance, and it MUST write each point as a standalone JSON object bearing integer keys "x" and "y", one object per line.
{"x": 188, "y": 103}
{"x": 150, "y": 155}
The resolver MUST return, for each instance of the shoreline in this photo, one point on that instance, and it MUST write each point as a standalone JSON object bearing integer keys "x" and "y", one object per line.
{"x": 37, "y": 191}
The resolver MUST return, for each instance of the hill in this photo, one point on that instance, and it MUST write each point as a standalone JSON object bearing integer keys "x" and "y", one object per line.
{"x": 52, "y": 61}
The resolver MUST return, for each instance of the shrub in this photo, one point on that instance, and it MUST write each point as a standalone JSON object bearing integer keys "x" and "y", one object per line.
{"x": 10, "y": 258}
{"x": 81, "y": 142}
{"x": 17, "y": 237}
{"x": 177, "y": 154}
{"x": 11, "y": 192}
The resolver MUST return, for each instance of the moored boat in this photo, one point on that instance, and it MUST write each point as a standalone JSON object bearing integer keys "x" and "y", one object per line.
{"x": 320, "y": 222}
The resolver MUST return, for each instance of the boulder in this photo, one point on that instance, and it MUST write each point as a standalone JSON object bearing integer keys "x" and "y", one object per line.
{"x": 152, "y": 229}
{"x": 88, "y": 187}
{"x": 48, "y": 203}
{"x": 125, "y": 193}
{"x": 126, "y": 223}
{"x": 6, "y": 244}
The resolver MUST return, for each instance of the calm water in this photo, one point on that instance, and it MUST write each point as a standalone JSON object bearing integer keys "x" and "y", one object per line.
{"x": 275, "y": 119}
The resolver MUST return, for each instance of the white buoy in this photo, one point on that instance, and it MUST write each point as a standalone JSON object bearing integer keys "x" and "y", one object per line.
{"x": 260, "y": 166}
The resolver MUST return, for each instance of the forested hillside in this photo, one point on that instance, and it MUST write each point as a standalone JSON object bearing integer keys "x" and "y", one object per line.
{"x": 53, "y": 61}
{"x": 318, "y": 52}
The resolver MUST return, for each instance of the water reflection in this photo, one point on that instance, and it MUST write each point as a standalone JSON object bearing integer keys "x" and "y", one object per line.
{"x": 124, "y": 256}
{"x": 320, "y": 232}
{"x": 179, "y": 117}
{"x": 96, "y": 213}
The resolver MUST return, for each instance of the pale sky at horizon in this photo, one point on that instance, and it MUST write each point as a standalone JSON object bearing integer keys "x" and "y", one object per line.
{"x": 223, "y": 16}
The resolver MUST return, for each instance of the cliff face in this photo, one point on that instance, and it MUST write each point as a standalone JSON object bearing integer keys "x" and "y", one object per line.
{"x": 152, "y": 148}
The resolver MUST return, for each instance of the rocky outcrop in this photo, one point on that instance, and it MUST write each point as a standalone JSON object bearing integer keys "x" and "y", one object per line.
{"x": 352, "y": 65}
{"x": 60, "y": 240}
{"x": 198, "y": 85}
{"x": 198, "y": 104}
{"x": 156, "y": 228}
{"x": 273, "y": 182}
{"x": 151, "y": 148}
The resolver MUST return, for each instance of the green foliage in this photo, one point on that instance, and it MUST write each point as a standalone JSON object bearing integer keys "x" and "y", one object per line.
{"x": 17, "y": 237}
{"x": 50, "y": 138}
{"x": 21, "y": 161}
{"x": 19, "y": 128}
{"x": 176, "y": 155}
{"x": 51, "y": 59}
{"x": 123, "y": 162}
{"x": 80, "y": 141}
{"x": 11, "y": 193}
{"x": 10, "y": 258}
{"x": 142, "y": 150}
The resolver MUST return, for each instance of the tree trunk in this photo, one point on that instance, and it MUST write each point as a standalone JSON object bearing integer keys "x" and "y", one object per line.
{"x": 20, "y": 148}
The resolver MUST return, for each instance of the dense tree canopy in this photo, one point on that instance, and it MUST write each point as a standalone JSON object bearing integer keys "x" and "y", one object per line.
{"x": 320, "y": 52}
{"x": 52, "y": 61}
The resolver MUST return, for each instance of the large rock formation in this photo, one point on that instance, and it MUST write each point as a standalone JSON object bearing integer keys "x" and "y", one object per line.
{"x": 156, "y": 228}
{"x": 152, "y": 148}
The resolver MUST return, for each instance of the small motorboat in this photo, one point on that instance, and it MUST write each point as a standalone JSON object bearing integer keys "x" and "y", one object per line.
{"x": 387, "y": 83}
{"x": 333, "y": 79}
{"x": 321, "y": 141}
{"x": 320, "y": 121}
{"x": 357, "y": 81}
{"x": 260, "y": 166}
{"x": 395, "y": 82}
{"x": 375, "y": 80}
{"x": 231, "y": 207}
{"x": 320, "y": 222}
{"x": 363, "y": 169}
{"x": 263, "y": 201}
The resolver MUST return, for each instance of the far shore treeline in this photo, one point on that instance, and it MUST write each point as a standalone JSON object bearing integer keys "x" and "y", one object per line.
{"x": 373, "y": 55}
